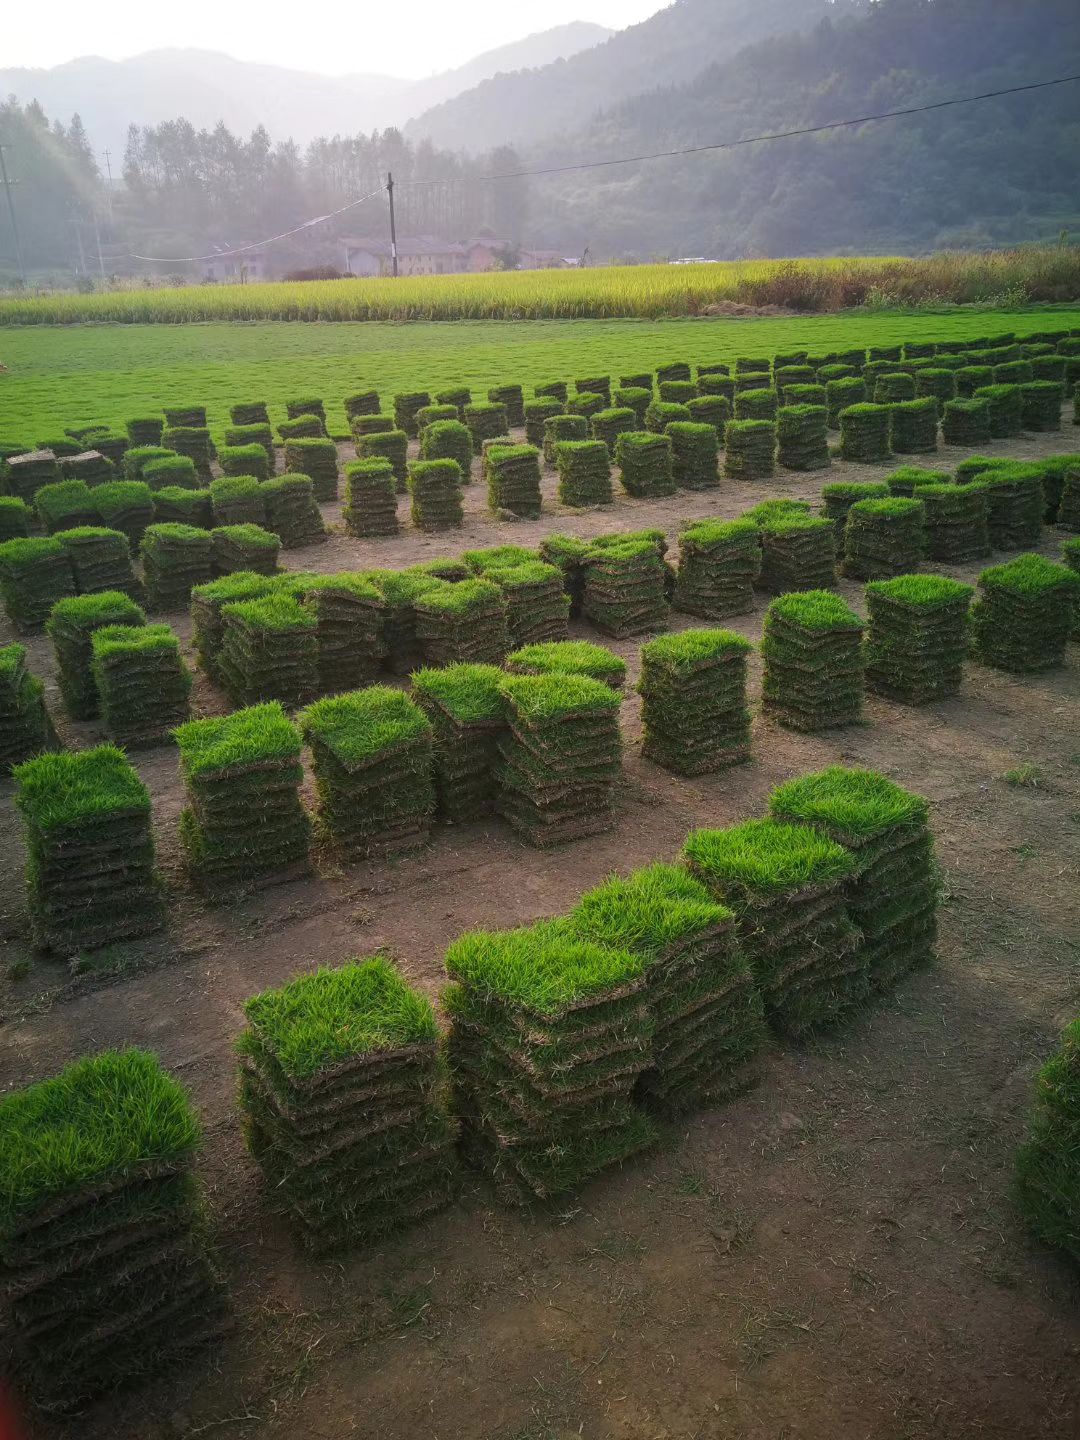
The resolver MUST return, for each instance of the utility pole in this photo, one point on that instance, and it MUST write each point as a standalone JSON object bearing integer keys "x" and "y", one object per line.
{"x": 393, "y": 226}
{"x": 11, "y": 211}
{"x": 108, "y": 189}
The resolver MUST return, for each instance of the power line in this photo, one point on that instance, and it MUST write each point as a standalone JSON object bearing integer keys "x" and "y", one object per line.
{"x": 633, "y": 160}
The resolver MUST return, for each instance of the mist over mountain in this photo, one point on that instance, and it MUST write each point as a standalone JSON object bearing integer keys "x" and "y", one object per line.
{"x": 205, "y": 86}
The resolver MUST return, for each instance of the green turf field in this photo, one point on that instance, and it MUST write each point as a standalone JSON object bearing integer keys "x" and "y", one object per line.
{"x": 79, "y": 374}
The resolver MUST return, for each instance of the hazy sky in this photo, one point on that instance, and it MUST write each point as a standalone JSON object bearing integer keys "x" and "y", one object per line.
{"x": 408, "y": 39}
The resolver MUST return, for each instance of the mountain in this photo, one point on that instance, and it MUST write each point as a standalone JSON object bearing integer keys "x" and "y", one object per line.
{"x": 670, "y": 48}
{"x": 997, "y": 172}
{"x": 205, "y": 86}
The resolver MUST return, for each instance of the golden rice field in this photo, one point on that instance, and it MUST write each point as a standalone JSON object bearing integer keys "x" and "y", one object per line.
{"x": 644, "y": 291}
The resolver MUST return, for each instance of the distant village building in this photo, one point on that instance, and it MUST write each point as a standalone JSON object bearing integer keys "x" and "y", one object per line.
{"x": 232, "y": 269}
{"x": 420, "y": 255}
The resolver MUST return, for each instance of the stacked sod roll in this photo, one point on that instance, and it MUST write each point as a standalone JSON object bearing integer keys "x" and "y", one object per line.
{"x": 802, "y": 433}
{"x": 956, "y": 522}
{"x": 175, "y": 559}
{"x": 786, "y": 885}
{"x": 883, "y": 538}
{"x": 917, "y": 637}
{"x": 1023, "y": 615}
{"x": 370, "y": 499}
{"x": 1041, "y": 405}
{"x": 798, "y": 552}
{"x": 34, "y": 574}
{"x": 840, "y": 495}
{"x": 812, "y": 649}
{"x": 244, "y": 547}
{"x": 348, "y": 611}
{"x": 342, "y": 1092}
{"x": 26, "y": 728}
{"x": 71, "y": 627}
{"x": 90, "y": 877}
{"x": 1047, "y": 1184}
{"x": 569, "y": 657}
{"x": 708, "y": 1026}
{"x": 435, "y": 494}
{"x": 694, "y": 450}
{"x": 608, "y": 425}
{"x": 392, "y": 445}
{"x": 719, "y": 563}
{"x": 1006, "y": 409}
{"x": 194, "y": 442}
{"x": 559, "y": 428}
{"x": 841, "y": 393}
{"x": 966, "y": 422}
{"x": 892, "y": 891}
{"x": 756, "y": 404}
{"x": 550, "y": 1034}
{"x": 406, "y": 408}
{"x": 558, "y": 758}
{"x": 237, "y": 500}
{"x": 464, "y": 706}
{"x": 268, "y": 650}
{"x": 865, "y": 430}
{"x": 207, "y": 626}
{"x": 750, "y": 449}
{"x": 65, "y": 506}
{"x": 1015, "y": 504}
{"x": 100, "y": 559}
{"x": 487, "y": 422}
{"x": 891, "y": 388}
{"x": 512, "y": 399}
{"x": 584, "y": 468}
{"x": 537, "y": 605}
{"x": 318, "y": 460}
{"x": 103, "y": 1250}
{"x": 1070, "y": 553}
{"x": 448, "y": 440}
{"x": 461, "y": 623}
{"x": 15, "y": 518}
{"x": 371, "y": 754}
{"x": 513, "y": 480}
{"x": 646, "y": 464}
{"x": 292, "y": 512}
{"x": 909, "y": 480}
{"x": 244, "y": 825}
{"x": 625, "y": 587}
{"x": 176, "y": 506}
{"x": 693, "y": 701}
{"x": 537, "y": 413}
{"x": 662, "y": 413}
{"x": 142, "y": 683}
{"x": 251, "y": 459}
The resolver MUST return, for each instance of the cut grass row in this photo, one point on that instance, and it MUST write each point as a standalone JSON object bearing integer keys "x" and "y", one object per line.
{"x": 84, "y": 374}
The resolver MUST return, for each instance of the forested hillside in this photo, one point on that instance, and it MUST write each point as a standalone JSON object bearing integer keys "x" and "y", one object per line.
{"x": 1000, "y": 171}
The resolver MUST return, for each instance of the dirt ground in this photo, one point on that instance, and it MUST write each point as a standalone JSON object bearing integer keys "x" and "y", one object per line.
{"x": 833, "y": 1256}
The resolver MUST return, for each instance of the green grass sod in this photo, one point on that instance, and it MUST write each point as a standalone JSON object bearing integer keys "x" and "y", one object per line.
{"x": 584, "y": 468}
{"x": 315, "y": 458}
{"x": 348, "y": 611}
{"x": 909, "y": 479}
{"x": 174, "y": 472}
{"x": 392, "y": 445}
{"x": 917, "y": 637}
{"x": 174, "y": 505}
{"x": 750, "y": 449}
{"x": 175, "y": 559}
{"x": 1023, "y": 615}
{"x": 813, "y": 672}
{"x": 70, "y": 628}
{"x": 625, "y": 587}
{"x": 537, "y": 605}
{"x": 34, "y": 574}
{"x": 292, "y": 512}
{"x": 269, "y": 650}
{"x": 513, "y": 480}
{"x": 244, "y": 547}
{"x": 206, "y": 604}
{"x": 465, "y": 707}
{"x": 1070, "y": 554}
{"x": 463, "y": 622}
{"x": 15, "y": 518}
{"x": 840, "y": 495}
{"x": 569, "y": 657}
{"x": 645, "y": 464}
{"x": 65, "y": 505}
{"x": 435, "y": 494}
{"x": 798, "y": 552}
{"x": 142, "y": 683}
{"x": 719, "y": 562}
{"x": 1047, "y": 1178}
{"x": 448, "y": 440}
{"x": 100, "y": 559}
{"x": 883, "y": 538}
{"x": 370, "y": 499}
{"x": 26, "y": 728}
{"x": 955, "y": 520}
{"x": 693, "y": 688}
{"x": 865, "y": 431}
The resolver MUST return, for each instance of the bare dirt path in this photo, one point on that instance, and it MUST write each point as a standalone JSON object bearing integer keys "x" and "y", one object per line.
{"x": 831, "y": 1257}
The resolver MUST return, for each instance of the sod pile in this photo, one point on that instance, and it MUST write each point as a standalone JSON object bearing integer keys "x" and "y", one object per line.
{"x": 370, "y": 499}
{"x": 559, "y": 757}
{"x": 1015, "y": 504}
{"x": 645, "y": 464}
{"x": 803, "y": 436}
{"x": 662, "y": 413}
{"x": 1069, "y": 507}
{"x": 486, "y": 422}
{"x": 677, "y": 392}
{"x": 1070, "y": 554}
{"x": 785, "y": 375}
{"x": 865, "y": 431}
{"x": 1023, "y": 615}
{"x": 71, "y": 627}
{"x": 608, "y": 425}
{"x": 463, "y": 623}
{"x": 955, "y": 521}
{"x": 100, "y": 559}
{"x": 341, "y": 1089}
{"x": 917, "y": 637}
{"x": 694, "y": 450}
{"x": 786, "y": 886}
{"x": 407, "y": 406}
{"x": 432, "y": 414}
{"x": 243, "y": 436}
{"x": 292, "y": 512}
{"x": 237, "y": 500}
{"x": 513, "y": 480}
{"x": 142, "y": 682}
{"x": 676, "y": 370}
{"x": 252, "y": 459}
{"x": 569, "y": 657}
{"x": 348, "y": 611}
{"x": 175, "y": 506}
{"x": 563, "y": 427}
{"x": 1047, "y": 1184}
{"x": 91, "y": 467}
{"x": 244, "y": 824}
{"x": 400, "y": 590}
{"x": 175, "y": 558}
{"x": 883, "y": 538}
{"x": 1013, "y": 372}
{"x": 26, "y": 474}
{"x": 595, "y": 385}
{"x": 26, "y": 728}
{"x": 448, "y": 440}
{"x": 812, "y": 649}
{"x": 185, "y": 415}
{"x": 244, "y": 547}
{"x": 835, "y": 371}
{"x": 937, "y": 384}
{"x": 700, "y": 990}
{"x": 722, "y": 385}
{"x": 512, "y": 399}
{"x": 719, "y": 562}
{"x": 972, "y": 378}
{"x": 1054, "y": 470}
{"x": 1041, "y": 405}
{"x": 102, "y": 1237}
{"x": 537, "y": 412}
{"x": 891, "y": 389}
{"x": 892, "y": 891}
{"x": 139, "y": 456}
{"x": 457, "y": 395}
{"x": 759, "y": 404}
{"x": 252, "y": 412}
{"x": 435, "y": 494}
{"x": 910, "y": 480}
{"x": 966, "y": 422}
{"x": 67, "y": 505}
{"x": 550, "y": 1033}
{"x": 268, "y": 650}
{"x": 34, "y": 574}
{"x": 552, "y": 390}
{"x": 568, "y": 553}
{"x": 840, "y": 495}
{"x": 318, "y": 460}
{"x": 537, "y": 605}
{"x": 584, "y": 468}
{"x": 798, "y": 552}
{"x": 840, "y": 395}
{"x": 207, "y": 626}
{"x": 194, "y": 442}
{"x": 372, "y": 425}
{"x": 372, "y": 758}
{"x": 750, "y": 450}
{"x": 361, "y": 402}
{"x": 625, "y": 588}
{"x": 392, "y": 445}
{"x": 637, "y": 398}
{"x": 711, "y": 410}
{"x": 693, "y": 701}
{"x": 15, "y": 518}
{"x": 464, "y": 706}
{"x": 145, "y": 430}
{"x": 90, "y": 877}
